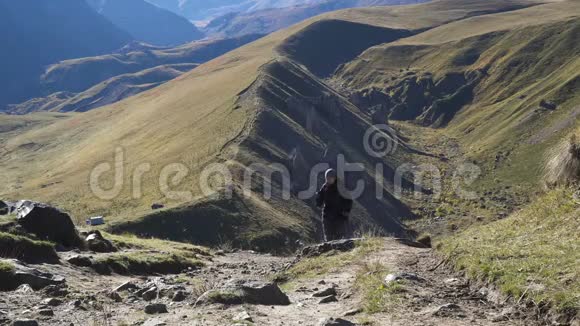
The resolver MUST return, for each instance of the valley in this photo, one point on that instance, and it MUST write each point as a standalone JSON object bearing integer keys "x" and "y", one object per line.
{"x": 250, "y": 96}
{"x": 217, "y": 147}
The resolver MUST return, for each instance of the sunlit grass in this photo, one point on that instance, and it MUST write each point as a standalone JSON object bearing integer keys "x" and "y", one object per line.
{"x": 533, "y": 253}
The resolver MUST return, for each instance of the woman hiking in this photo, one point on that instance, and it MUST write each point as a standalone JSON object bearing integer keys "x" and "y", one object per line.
{"x": 335, "y": 208}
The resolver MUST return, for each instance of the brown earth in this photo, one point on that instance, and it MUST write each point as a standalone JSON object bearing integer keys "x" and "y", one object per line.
{"x": 437, "y": 297}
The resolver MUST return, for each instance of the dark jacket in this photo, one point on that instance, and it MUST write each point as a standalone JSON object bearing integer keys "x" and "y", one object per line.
{"x": 334, "y": 205}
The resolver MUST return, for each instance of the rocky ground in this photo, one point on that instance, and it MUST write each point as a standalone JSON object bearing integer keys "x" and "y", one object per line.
{"x": 237, "y": 288}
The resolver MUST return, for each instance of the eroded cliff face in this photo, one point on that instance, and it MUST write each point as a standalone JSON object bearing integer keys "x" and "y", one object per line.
{"x": 306, "y": 126}
{"x": 419, "y": 96}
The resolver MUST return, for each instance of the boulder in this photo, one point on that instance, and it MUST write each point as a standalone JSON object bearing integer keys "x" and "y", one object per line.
{"x": 59, "y": 290}
{"x": 47, "y": 222}
{"x": 246, "y": 291}
{"x": 157, "y": 206}
{"x": 445, "y": 310}
{"x": 325, "y": 292}
{"x": 403, "y": 276}
{"x": 154, "y": 322}
{"x": 150, "y": 294}
{"x": 46, "y": 312}
{"x": 4, "y": 208}
{"x": 548, "y": 105}
{"x": 81, "y": 261}
{"x": 328, "y": 299}
{"x": 155, "y": 308}
{"x": 336, "y": 245}
{"x": 243, "y": 316}
{"x": 115, "y": 296}
{"x": 25, "y": 322}
{"x": 126, "y": 286}
{"x": 52, "y": 302}
{"x": 411, "y": 243}
{"x": 24, "y": 278}
{"x": 353, "y": 312}
{"x": 334, "y": 322}
{"x": 24, "y": 289}
{"x": 35, "y": 278}
{"x": 97, "y": 243}
{"x": 179, "y": 296}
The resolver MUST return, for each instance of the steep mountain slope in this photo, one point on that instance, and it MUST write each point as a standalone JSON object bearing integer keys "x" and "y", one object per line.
{"x": 268, "y": 20}
{"x": 262, "y": 103}
{"x": 40, "y": 32}
{"x": 146, "y": 22}
{"x": 505, "y": 91}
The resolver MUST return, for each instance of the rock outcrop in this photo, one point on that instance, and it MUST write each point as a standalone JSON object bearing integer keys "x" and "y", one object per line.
{"x": 4, "y": 208}
{"x": 337, "y": 245}
{"x": 48, "y": 223}
{"x": 97, "y": 243}
{"x": 246, "y": 291}
{"x": 34, "y": 278}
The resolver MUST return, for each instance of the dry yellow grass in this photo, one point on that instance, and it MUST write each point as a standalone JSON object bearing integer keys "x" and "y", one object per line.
{"x": 478, "y": 25}
{"x": 532, "y": 254}
{"x": 519, "y": 74}
{"x": 563, "y": 165}
{"x": 188, "y": 120}
{"x": 194, "y": 120}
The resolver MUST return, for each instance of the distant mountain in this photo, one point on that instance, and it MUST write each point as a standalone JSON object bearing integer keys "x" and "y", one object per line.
{"x": 260, "y": 20}
{"x": 202, "y": 10}
{"x": 35, "y": 33}
{"x": 77, "y": 75}
{"x": 146, "y": 22}
{"x": 210, "y": 10}
{"x": 104, "y": 93}
{"x": 86, "y": 83}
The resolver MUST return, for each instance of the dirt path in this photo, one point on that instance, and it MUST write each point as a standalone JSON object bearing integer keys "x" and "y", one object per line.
{"x": 430, "y": 295}
{"x": 438, "y": 298}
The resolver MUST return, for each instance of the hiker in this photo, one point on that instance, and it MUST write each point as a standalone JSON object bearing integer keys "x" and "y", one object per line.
{"x": 335, "y": 208}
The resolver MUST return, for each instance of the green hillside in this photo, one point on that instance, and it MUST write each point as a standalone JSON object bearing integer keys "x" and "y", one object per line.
{"x": 533, "y": 253}
{"x": 484, "y": 90}
{"x": 262, "y": 103}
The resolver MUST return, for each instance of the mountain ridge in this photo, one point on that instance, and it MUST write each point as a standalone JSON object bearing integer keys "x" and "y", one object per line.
{"x": 24, "y": 30}
{"x": 146, "y": 22}
{"x": 226, "y": 94}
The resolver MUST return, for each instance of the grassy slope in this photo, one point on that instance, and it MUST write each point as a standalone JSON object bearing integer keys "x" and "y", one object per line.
{"x": 501, "y": 117}
{"x": 533, "y": 252}
{"x": 530, "y": 55}
{"x": 194, "y": 119}
{"x": 26, "y": 249}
